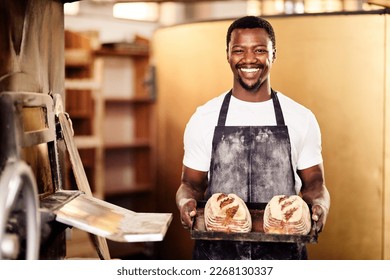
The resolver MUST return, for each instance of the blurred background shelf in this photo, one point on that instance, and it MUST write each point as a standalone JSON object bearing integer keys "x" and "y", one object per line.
{"x": 112, "y": 111}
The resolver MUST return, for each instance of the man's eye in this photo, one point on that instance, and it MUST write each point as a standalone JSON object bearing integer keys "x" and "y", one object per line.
{"x": 261, "y": 51}
{"x": 237, "y": 51}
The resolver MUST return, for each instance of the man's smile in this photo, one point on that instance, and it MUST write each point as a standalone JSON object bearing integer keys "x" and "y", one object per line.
{"x": 249, "y": 70}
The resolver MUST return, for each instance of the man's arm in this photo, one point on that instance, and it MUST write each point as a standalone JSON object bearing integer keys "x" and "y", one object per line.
{"x": 314, "y": 192}
{"x": 192, "y": 188}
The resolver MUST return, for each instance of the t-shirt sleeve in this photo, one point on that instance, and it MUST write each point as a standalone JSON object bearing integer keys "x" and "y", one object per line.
{"x": 311, "y": 151}
{"x": 196, "y": 154}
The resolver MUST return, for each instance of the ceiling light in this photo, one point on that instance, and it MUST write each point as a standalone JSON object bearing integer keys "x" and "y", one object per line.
{"x": 71, "y": 8}
{"x": 137, "y": 11}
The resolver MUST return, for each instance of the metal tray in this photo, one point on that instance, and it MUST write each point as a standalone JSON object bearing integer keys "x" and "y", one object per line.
{"x": 103, "y": 219}
{"x": 257, "y": 234}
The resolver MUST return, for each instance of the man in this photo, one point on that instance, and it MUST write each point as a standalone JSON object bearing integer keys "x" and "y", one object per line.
{"x": 254, "y": 142}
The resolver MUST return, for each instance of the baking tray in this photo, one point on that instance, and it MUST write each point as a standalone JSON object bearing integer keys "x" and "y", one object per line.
{"x": 257, "y": 234}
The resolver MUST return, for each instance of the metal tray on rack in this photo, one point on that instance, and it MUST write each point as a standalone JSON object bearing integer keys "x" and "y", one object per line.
{"x": 257, "y": 234}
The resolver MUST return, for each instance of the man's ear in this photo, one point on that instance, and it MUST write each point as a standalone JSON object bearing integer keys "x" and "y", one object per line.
{"x": 227, "y": 54}
{"x": 273, "y": 55}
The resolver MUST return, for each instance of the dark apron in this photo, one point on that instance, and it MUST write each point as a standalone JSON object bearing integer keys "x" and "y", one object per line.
{"x": 254, "y": 162}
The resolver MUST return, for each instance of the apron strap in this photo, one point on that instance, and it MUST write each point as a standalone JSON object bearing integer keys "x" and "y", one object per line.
{"x": 225, "y": 106}
{"x": 278, "y": 110}
{"x": 224, "y": 109}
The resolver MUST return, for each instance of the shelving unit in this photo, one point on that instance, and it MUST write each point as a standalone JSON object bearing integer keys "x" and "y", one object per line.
{"x": 128, "y": 135}
{"x": 112, "y": 111}
{"x": 84, "y": 104}
{"x": 129, "y": 116}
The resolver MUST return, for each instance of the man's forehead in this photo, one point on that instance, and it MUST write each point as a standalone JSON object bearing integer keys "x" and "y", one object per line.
{"x": 257, "y": 30}
{"x": 258, "y": 34}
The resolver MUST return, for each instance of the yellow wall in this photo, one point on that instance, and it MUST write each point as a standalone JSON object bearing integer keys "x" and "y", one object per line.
{"x": 386, "y": 168}
{"x": 336, "y": 66}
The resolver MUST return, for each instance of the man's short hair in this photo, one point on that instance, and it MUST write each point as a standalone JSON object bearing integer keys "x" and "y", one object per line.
{"x": 251, "y": 22}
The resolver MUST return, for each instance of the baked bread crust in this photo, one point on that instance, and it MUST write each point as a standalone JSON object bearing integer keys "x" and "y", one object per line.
{"x": 287, "y": 215}
{"x": 227, "y": 213}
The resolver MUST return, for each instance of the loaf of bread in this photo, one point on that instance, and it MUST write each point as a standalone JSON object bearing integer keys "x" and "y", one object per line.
{"x": 287, "y": 215}
{"x": 227, "y": 213}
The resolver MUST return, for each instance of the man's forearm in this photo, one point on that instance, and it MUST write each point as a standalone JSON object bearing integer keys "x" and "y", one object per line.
{"x": 185, "y": 192}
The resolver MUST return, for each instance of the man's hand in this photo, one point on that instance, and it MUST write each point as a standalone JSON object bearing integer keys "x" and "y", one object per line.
{"x": 192, "y": 189}
{"x": 315, "y": 193}
{"x": 187, "y": 207}
{"x": 319, "y": 214}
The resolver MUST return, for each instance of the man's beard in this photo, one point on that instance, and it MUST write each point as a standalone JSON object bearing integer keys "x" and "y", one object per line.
{"x": 251, "y": 88}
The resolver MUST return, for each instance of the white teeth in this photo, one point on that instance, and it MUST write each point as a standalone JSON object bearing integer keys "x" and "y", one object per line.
{"x": 249, "y": 70}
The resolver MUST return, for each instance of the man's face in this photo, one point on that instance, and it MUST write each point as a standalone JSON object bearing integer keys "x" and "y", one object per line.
{"x": 250, "y": 55}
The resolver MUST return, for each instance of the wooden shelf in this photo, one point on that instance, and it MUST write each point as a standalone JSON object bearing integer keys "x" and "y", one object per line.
{"x": 82, "y": 84}
{"x": 86, "y": 142}
{"x": 140, "y": 52}
{"x": 130, "y": 189}
{"x": 135, "y": 144}
{"x": 78, "y": 57}
{"x": 128, "y": 101}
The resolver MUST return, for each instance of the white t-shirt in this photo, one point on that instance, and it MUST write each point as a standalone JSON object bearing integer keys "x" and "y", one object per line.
{"x": 303, "y": 128}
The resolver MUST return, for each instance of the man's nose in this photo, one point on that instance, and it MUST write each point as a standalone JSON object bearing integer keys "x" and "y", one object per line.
{"x": 250, "y": 56}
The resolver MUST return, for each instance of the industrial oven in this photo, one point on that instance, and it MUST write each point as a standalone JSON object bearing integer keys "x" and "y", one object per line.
{"x": 36, "y": 137}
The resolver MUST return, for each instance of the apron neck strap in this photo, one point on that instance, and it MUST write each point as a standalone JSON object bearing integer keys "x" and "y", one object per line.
{"x": 225, "y": 106}
{"x": 278, "y": 110}
{"x": 224, "y": 109}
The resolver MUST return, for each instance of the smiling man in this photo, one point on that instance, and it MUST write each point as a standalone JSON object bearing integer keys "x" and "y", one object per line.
{"x": 254, "y": 142}
{"x": 250, "y": 55}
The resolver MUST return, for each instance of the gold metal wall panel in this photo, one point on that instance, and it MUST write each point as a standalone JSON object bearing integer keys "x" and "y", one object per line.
{"x": 386, "y": 177}
{"x": 339, "y": 74}
{"x": 335, "y": 65}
